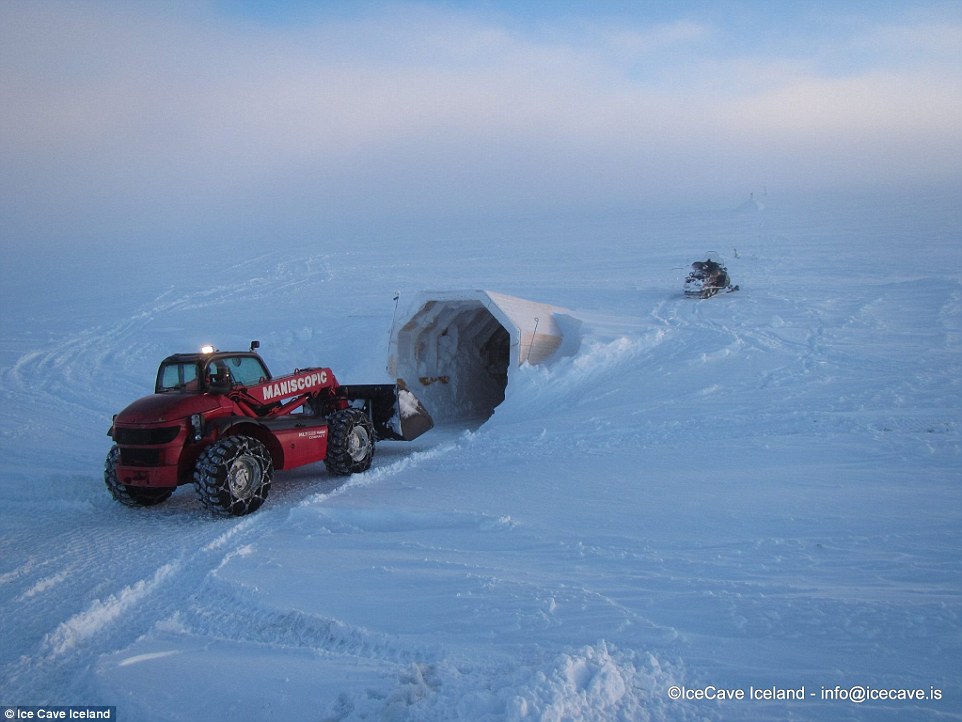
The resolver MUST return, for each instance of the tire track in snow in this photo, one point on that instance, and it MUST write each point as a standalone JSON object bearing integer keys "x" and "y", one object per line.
{"x": 45, "y": 584}
{"x": 227, "y": 611}
{"x": 187, "y": 549}
{"x": 216, "y": 609}
{"x": 119, "y": 610}
{"x": 103, "y": 612}
{"x": 194, "y": 606}
{"x": 376, "y": 474}
{"x": 76, "y": 359}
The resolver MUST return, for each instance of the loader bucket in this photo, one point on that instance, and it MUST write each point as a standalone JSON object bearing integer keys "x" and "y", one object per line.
{"x": 395, "y": 412}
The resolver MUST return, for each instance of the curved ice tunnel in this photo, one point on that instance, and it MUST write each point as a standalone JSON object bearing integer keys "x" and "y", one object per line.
{"x": 457, "y": 350}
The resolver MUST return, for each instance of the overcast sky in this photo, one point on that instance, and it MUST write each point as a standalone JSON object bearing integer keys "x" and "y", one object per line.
{"x": 126, "y": 120}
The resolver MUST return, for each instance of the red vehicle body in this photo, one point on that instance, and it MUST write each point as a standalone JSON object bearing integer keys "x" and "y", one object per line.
{"x": 219, "y": 420}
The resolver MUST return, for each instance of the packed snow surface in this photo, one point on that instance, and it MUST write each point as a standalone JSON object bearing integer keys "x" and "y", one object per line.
{"x": 758, "y": 493}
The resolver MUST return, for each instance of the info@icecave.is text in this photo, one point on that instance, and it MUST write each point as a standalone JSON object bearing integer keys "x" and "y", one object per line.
{"x": 856, "y": 693}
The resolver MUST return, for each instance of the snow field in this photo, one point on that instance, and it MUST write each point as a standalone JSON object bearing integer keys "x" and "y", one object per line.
{"x": 758, "y": 489}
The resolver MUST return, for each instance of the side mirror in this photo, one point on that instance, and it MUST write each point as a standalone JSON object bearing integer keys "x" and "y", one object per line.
{"x": 255, "y": 345}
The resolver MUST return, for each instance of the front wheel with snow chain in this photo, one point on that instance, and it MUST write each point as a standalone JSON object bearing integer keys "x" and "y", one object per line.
{"x": 350, "y": 442}
{"x": 130, "y": 495}
{"x": 233, "y": 476}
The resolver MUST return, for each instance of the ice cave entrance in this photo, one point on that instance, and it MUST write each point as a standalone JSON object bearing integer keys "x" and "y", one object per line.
{"x": 457, "y": 349}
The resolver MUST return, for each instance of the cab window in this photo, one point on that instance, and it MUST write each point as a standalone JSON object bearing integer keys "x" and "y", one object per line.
{"x": 243, "y": 370}
{"x": 177, "y": 377}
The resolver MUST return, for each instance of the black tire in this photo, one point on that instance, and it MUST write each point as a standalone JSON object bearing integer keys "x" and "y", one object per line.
{"x": 233, "y": 476}
{"x": 350, "y": 443}
{"x": 130, "y": 495}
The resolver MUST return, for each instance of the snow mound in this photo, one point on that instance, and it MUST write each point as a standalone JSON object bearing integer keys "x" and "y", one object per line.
{"x": 594, "y": 683}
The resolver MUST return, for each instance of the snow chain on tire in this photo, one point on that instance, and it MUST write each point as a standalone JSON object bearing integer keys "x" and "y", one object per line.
{"x": 233, "y": 476}
{"x": 130, "y": 495}
{"x": 350, "y": 443}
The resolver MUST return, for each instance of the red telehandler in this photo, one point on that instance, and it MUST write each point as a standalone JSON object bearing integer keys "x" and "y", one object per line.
{"x": 220, "y": 420}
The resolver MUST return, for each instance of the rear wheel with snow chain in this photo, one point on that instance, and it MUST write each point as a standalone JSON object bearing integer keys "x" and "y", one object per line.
{"x": 130, "y": 495}
{"x": 350, "y": 442}
{"x": 233, "y": 476}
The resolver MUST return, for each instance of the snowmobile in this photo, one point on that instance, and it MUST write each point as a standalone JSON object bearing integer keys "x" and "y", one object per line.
{"x": 708, "y": 277}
